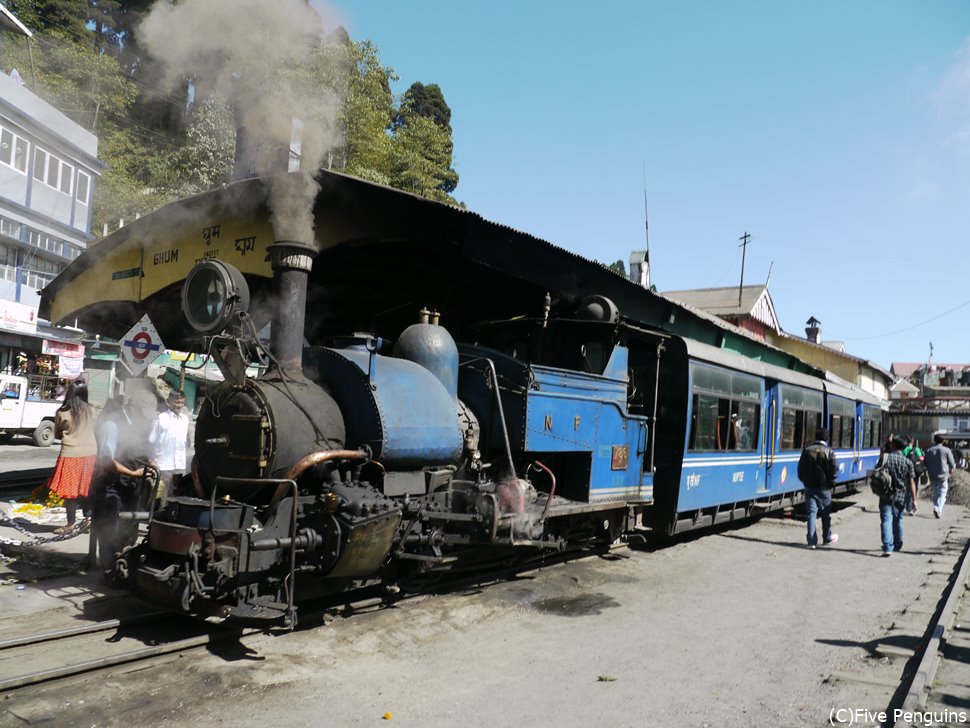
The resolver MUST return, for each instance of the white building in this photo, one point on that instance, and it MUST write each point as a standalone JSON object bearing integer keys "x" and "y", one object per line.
{"x": 48, "y": 170}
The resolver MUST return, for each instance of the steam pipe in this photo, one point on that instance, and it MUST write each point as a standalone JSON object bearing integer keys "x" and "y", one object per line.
{"x": 291, "y": 262}
{"x": 321, "y": 456}
{"x": 552, "y": 492}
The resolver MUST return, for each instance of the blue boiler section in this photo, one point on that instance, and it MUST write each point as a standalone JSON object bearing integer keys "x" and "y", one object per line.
{"x": 396, "y": 407}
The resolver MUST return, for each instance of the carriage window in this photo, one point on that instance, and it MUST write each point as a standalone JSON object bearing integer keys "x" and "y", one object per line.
{"x": 801, "y": 398}
{"x": 788, "y": 424}
{"x": 842, "y": 417}
{"x": 748, "y": 425}
{"x": 727, "y": 414}
{"x": 746, "y": 387}
{"x": 871, "y": 427}
{"x": 703, "y": 417}
{"x": 841, "y": 431}
{"x": 712, "y": 380}
{"x": 798, "y": 427}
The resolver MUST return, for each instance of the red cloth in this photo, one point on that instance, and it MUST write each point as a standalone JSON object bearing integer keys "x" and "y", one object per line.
{"x": 72, "y": 476}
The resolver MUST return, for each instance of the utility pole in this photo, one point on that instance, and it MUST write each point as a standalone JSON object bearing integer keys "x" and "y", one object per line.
{"x": 646, "y": 229}
{"x": 745, "y": 239}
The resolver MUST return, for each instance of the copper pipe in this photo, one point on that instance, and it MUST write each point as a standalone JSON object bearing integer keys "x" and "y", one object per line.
{"x": 321, "y": 456}
{"x": 552, "y": 492}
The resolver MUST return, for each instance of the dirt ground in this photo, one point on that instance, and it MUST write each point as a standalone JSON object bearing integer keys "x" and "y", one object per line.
{"x": 742, "y": 627}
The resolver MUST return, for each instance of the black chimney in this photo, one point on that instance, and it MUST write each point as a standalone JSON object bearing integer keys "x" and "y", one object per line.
{"x": 813, "y": 331}
{"x": 291, "y": 262}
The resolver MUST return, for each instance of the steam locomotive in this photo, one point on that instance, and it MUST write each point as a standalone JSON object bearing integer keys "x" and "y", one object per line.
{"x": 367, "y": 463}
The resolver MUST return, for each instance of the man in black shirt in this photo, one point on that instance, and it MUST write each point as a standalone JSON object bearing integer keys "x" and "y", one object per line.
{"x": 817, "y": 470}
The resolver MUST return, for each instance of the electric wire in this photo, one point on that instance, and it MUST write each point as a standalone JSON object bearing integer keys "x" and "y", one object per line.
{"x": 908, "y": 328}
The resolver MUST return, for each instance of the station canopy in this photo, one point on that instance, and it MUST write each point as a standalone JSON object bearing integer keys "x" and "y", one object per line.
{"x": 383, "y": 255}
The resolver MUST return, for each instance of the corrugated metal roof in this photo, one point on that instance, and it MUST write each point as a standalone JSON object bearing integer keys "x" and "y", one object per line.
{"x": 907, "y": 369}
{"x": 720, "y": 301}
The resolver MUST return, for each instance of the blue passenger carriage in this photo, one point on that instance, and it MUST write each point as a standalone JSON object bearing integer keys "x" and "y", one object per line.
{"x": 746, "y": 423}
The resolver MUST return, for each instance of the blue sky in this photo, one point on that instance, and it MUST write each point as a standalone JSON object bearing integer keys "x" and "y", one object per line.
{"x": 836, "y": 133}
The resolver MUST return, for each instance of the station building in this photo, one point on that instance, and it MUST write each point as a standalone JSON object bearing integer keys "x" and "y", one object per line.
{"x": 931, "y": 398}
{"x": 48, "y": 171}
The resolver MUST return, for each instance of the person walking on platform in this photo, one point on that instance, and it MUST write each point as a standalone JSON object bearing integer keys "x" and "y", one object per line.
{"x": 817, "y": 470}
{"x": 170, "y": 441}
{"x": 891, "y": 508}
{"x": 74, "y": 426}
{"x": 912, "y": 453}
{"x": 940, "y": 463}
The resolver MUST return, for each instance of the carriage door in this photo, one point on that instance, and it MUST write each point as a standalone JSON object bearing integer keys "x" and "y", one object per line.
{"x": 769, "y": 438}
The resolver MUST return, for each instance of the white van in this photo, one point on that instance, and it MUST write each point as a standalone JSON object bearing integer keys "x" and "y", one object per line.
{"x": 24, "y": 412}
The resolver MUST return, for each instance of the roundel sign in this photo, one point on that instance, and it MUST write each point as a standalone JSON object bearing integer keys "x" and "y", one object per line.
{"x": 141, "y": 346}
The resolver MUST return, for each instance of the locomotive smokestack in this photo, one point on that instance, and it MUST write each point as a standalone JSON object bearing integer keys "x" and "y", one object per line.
{"x": 291, "y": 262}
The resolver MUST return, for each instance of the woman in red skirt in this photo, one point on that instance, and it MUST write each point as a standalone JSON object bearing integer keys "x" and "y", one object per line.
{"x": 74, "y": 425}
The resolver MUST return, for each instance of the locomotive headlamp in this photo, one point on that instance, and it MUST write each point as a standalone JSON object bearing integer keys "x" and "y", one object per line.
{"x": 212, "y": 294}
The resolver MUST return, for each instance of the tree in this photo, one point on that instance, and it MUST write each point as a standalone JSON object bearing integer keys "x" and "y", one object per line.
{"x": 205, "y": 159}
{"x": 618, "y": 267}
{"x": 422, "y": 103}
{"x": 89, "y": 63}
{"x": 367, "y": 115}
{"x": 422, "y": 159}
{"x": 426, "y": 101}
{"x": 67, "y": 17}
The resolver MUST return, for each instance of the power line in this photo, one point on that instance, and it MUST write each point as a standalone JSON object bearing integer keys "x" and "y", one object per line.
{"x": 908, "y": 328}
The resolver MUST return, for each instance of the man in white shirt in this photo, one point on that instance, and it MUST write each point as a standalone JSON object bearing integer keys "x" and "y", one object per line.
{"x": 169, "y": 439}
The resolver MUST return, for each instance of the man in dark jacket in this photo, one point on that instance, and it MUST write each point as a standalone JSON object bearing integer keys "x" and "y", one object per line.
{"x": 122, "y": 452}
{"x": 817, "y": 470}
{"x": 891, "y": 509}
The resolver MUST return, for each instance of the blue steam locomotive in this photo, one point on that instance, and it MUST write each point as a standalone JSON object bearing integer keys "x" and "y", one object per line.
{"x": 362, "y": 463}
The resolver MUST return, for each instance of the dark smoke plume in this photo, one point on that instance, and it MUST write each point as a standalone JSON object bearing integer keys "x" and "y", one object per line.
{"x": 246, "y": 51}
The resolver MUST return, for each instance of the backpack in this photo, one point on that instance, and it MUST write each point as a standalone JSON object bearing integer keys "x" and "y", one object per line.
{"x": 917, "y": 463}
{"x": 881, "y": 482}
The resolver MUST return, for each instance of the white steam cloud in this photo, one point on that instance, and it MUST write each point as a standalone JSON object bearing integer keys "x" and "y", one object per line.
{"x": 239, "y": 49}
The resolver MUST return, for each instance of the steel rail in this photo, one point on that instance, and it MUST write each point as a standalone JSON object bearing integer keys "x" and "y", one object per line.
{"x": 926, "y": 670}
{"x": 143, "y": 653}
{"x": 56, "y": 634}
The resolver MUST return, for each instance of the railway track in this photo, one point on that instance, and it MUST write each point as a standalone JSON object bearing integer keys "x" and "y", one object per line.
{"x": 31, "y": 659}
{"x": 930, "y": 643}
{"x": 938, "y": 690}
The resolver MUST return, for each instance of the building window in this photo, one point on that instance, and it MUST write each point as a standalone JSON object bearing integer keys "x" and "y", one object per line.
{"x": 13, "y": 150}
{"x": 53, "y": 172}
{"x": 83, "y": 187}
{"x": 45, "y": 241}
{"x": 10, "y": 227}
{"x": 35, "y": 280}
{"x": 41, "y": 265}
{"x": 67, "y": 178}
{"x": 40, "y": 163}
